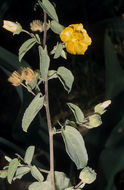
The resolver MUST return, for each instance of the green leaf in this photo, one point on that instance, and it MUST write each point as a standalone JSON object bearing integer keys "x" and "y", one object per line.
{"x": 20, "y": 172}
{"x": 44, "y": 62}
{"x": 3, "y": 174}
{"x": 56, "y": 27}
{"x": 58, "y": 50}
{"x": 75, "y": 146}
{"x": 79, "y": 116}
{"x": 52, "y": 74}
{"x": 32, "y": 110}
{"x": 36, "y": 174}
{"x": 66, "y": 77}
{"x": 39, "y": 186}
{"x": 25, "y": 47}
{"x": 64, "y": 54}
{"x": 29, "y": 154}
{"x": 61, "y": 180}
{"x": 49, "y": 9}
{"x": 12, "y": 169}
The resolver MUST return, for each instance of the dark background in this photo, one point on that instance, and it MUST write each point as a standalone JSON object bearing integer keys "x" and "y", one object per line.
{"x": 98, "y": 76}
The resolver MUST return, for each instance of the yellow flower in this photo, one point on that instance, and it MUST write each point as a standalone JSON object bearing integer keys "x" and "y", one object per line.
{"x": 76, "y": 39}
{"x": 12, "y": 26}
{"x": 15, "y": 79}
{"x": 28, "y": 75}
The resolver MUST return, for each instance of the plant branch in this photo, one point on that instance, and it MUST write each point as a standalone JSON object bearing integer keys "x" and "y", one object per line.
{"x": 50, "y": 130}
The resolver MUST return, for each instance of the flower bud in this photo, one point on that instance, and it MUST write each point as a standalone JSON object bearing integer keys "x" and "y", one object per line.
{"x": 94, "y": 120}
{"x": 87, "y": 175}
{"x": 13, "y": 27}
{"x": 100, "y": 108}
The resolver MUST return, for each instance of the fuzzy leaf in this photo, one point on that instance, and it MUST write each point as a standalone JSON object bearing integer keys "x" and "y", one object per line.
{"x": 44, "y": 62}
{"x": 39, "y": 186}
{"x": 75, "y": 146}
{"x": 49, "y": 8}
{"x": 29, "y": 154}
{"x": 32, "y": 110}
{"x": 36, "y": 174}
{"x": 79, "y": 116}
{"x": 58, "y": 50}
{"x": 12, "y": 169}
{"x": 66, "y": 77}
{"x": 25, "y": 47}
{"x": 56, "y": 27}
{"x": 61, "y": 180}
{"x": 20, "y": 172}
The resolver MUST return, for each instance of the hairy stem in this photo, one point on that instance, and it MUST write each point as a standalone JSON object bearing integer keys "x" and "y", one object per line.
{"x": 48, "y": 115}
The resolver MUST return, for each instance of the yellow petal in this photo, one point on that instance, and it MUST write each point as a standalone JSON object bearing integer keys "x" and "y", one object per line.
{"x": 70, "y": 47}
{"x": 66, "y": 34}
{"x": 77, "y": 27}
{"x": 80, "y": 48}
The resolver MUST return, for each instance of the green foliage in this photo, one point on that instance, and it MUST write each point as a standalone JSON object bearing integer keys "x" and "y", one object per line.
{"x": 56, "y": 27}
{"x": 79, "y": 116}
{"x": 29, "y": 154}
{"x": 12, "y": 169}
{"x": 21, "y": 171}
{"x": 36, "y": 174}
{"x": 66, "y": 78}
{"x": 75, "y": 146}
{"x": 37, "y": 185}
{"x": 26, "y": 46}
{"x": 58, "y": 50}
{"x": 32, "y": 110}
{"x": 44, "y": 62}
{"x": 61, "y": 180}
{"x": 49, "y": 9}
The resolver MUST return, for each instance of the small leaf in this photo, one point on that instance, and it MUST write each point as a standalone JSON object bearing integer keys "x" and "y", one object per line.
{"x": 20, "y": 172}
{"x": 32, "y": 110}
{"x": 44, "y": 62}
{"x": 56, "y": 27}
{"x": 79, "y": 116}
{"x": 66, "y": 77}
{"x": 25, "y": 47}
{"x": 3, "y": 174}
{"x": 52, "y": 74}
{"x": 58, "y": 50}
{"x": 36, "y": 174}
{"x": 39, "y": 186}
{"x": 12, "y": 169}
{"x": 64, "y": 54}
{"x": 75, "y": 146}
{"x": 49, "y": 8}
{"x": 29, "y": 154}
{"x": 61, "y": 180}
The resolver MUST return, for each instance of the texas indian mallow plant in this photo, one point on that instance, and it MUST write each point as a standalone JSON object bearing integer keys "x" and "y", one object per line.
{"x": 75, "y": 40}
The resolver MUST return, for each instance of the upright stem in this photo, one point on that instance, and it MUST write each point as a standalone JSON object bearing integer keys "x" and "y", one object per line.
{"x": 48, "y": 115}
